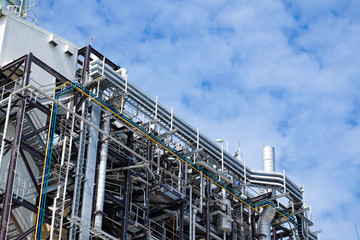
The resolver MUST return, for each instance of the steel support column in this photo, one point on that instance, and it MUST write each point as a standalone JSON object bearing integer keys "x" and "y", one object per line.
{"x": 273, "y": 233}
{"x": 182, "y": 204}
{"x": 85, "y": 70}
{"x": 147, "y": 198}
{"x": 32, "y": 176}
{"x": 233, "y": 224}
{"x": 125, "y": 221}
{"x": 181, "y": 221}
{"x": 208, "y": 209}
{"x": 14, "y": 153}
{"x": 253, "y": 230}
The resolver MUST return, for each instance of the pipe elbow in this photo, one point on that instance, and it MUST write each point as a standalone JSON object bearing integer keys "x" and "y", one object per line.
{"x": 266, "y": 217}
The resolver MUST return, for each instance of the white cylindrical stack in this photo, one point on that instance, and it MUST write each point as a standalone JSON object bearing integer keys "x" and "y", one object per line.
{"x": 268, "y": 159}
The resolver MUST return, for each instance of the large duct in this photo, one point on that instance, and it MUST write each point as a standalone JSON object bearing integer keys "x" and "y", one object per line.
{"x": 102, "y": 175}
{"x": 268, "y": 213}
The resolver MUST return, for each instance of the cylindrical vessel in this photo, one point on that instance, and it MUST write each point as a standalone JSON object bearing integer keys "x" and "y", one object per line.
{"x": 224, "y": 224}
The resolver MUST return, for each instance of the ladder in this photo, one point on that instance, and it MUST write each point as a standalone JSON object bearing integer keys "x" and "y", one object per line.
{"x": 79, "y": 170}
{"x": 63, "y": 173}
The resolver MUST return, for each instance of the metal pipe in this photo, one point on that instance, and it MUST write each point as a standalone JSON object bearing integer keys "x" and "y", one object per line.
{"x": 102, "y": 175}
{"x": 190, "y": 212}
{"x": 201, "y": 193}
{"x": 88, "y": 185}
{"x": 264, "y": 223}
{"x": 176, "y": 216}
{"x": 271, "y": 179}
{"x": 194, "y": 224}
{"x": 201, "y": 228}
{"x": 179, "y": 174}
{"x": 211, "y": 169}
{"x": 267, "y": 213}
{"x": 208, "y": 216}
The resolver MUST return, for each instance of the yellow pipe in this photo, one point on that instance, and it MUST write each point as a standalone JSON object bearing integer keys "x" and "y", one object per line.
{"x": 44, "y": 169}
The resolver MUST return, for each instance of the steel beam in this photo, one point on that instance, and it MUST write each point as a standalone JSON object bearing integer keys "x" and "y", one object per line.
{"x": 20, "y": 60}
{"x": 10, "y": 75}
{"x": 27, "y": 232}
{"x": 50, "y": 70}
{"x": 32, "y": 134}
{"x": 107, "y": 61}
{"x": 32, "y": 151}
{"x": 39, "y": 106}
{"x": 27, "y": 165}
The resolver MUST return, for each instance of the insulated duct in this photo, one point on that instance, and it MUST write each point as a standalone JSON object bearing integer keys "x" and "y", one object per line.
{"x": 268, "y": 213}
{"x": 102, "y": 175}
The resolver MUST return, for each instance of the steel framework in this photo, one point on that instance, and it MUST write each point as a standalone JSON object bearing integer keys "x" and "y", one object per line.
{"x": 110, "y": 162}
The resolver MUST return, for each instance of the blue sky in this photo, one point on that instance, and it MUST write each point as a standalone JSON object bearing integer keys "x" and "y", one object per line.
{"x": 281, "y": 73}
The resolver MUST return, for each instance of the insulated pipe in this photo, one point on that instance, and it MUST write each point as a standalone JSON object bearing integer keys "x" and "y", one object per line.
{"x": 194, "y": 223}
{"x": 268, "y": 159}
{"x": 190, "y": 212}
{"x": 102, "y": 175}
{"x": 264, "y": 223}
{"x": 201, "y": 228}
{"x": 272, "y": 179}
{"x": 267, "y": 213}
{"x": 275, "y": 178}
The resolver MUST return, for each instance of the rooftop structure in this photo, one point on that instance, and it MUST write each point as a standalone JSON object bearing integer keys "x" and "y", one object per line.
{"x": 85, "y": 154}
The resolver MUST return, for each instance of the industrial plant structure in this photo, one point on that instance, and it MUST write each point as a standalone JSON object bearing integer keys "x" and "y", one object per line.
{"x": 85, "y": 154}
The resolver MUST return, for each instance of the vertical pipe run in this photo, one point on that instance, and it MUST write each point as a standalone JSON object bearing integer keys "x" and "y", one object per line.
{"x": 171, "y": 118}
{"x": 194, "y": 224}
{"x": 102, "y": 174}
{"x": 156, "y": 107}
{"x": 85, "y": 70}
{"x": 267, "y": 213}
{"x": 208, "y": 209}
{"x": 88, "y": 192}
{"x": 146, "y": 192}
{"x": 190, "y": 212}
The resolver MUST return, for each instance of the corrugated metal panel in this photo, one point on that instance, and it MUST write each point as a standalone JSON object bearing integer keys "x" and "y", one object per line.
{"x": 19, "y": 37}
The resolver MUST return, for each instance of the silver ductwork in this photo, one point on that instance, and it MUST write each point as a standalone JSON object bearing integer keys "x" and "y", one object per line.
{"x": 264, "y": 223}
{"x": 268, "y": 159}
{"x": 268, "y": 213}
{"x": 102, "y": 176}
